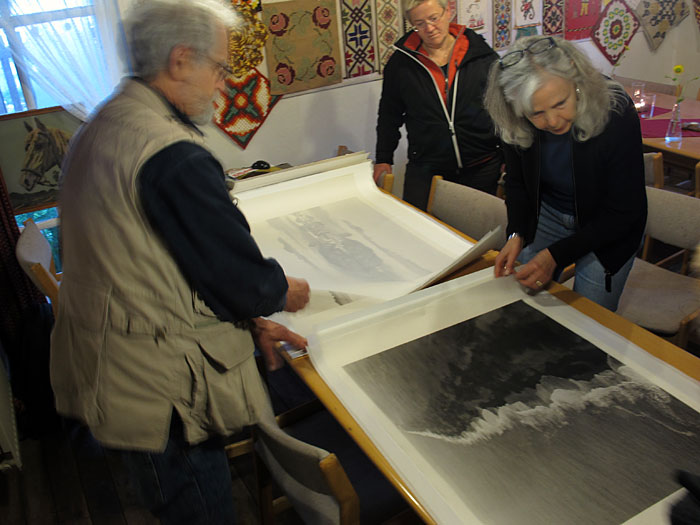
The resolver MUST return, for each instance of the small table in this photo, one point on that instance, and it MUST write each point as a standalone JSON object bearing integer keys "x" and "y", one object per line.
{"x": 684, "y": 154}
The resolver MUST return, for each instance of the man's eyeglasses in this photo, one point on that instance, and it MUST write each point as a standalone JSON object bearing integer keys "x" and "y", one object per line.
{"x": 537, "y": 47}
{"x": 432, "y": 20}
{"x": 222, "y": 70}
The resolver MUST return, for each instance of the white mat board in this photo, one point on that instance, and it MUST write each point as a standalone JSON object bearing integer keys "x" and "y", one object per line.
{"x": 352, "y": 338}
{"x": 338, "y": 231}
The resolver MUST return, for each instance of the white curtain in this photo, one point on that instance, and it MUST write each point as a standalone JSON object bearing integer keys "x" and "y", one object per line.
{"x": 74, "y": 59}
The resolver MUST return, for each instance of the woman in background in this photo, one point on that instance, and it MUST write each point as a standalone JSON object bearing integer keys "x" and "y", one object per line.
{"x": 434, "y": 85}
{"x": 574, "y": 170}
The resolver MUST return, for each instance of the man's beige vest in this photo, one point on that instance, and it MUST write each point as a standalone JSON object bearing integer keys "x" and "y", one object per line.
{"x": 132, "y": 339}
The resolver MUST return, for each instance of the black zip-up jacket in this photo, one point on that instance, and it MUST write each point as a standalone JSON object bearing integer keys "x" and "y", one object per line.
{"x": 415, "y": 92}
{"x": 609, "y": 193}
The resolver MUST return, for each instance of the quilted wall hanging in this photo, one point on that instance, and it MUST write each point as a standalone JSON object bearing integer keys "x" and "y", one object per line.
{"x": 502, "y": 23}
{"x": 614, "y": 30}
{"x": 246, "y": 41}
{"x": 522, "y": 32}
{"x": 553, "y": 17}
{"x": 579, "y": 18}
{"x": 303, "y": 49}
{"x": 244, "y": 106}
{"x": 389, "y": 28}
{"x": 358, "y": 38}
{"x": 657, "y": 17}
{"x": 473, "y": 14}
{"x": 527, "y": 14}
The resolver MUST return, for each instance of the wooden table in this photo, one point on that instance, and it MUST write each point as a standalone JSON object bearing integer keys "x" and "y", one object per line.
{"x": 684, "y": 154}
{"x": 656, "y": 346}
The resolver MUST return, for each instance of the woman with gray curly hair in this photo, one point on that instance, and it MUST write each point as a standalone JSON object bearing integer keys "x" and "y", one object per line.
{"x": 575, "y": 174}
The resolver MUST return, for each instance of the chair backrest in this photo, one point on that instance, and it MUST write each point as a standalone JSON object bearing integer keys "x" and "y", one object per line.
{"x": 471, "y": 211}
{"x": 312, "y": 478}
{"x": 654, "y": 169}
{"x": 34, "y": 254}
{"x": 673, "y": 218}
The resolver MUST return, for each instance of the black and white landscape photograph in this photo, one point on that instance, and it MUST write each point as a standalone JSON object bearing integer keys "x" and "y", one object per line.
{"x": 531, "y": 423}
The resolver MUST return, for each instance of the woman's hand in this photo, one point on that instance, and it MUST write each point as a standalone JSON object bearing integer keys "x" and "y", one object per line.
{"x": 505, "y": 260}
{"x": 379, "y": 170}
{"x": 268, "y": 335}
{"x": 538, "y": 272}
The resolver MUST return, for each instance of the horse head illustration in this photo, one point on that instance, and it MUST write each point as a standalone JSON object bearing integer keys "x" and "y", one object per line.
{"x": 44, "y": 148}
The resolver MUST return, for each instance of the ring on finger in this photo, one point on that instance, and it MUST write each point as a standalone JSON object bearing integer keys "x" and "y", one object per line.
{"x": 539, "y": 284}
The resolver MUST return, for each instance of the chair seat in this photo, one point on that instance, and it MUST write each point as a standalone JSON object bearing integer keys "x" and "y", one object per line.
{"x": 658, "y": 299}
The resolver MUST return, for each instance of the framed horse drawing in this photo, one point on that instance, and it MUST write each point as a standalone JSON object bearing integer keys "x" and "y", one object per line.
{"x": 32, "y": 147}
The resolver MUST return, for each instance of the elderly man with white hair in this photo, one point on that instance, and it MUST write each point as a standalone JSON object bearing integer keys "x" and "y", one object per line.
{"x": 163, "y": 285}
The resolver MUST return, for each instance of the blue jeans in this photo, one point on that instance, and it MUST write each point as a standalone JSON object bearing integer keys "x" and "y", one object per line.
{"x": 554, "y": 225}
{"x": 185, "y": 484}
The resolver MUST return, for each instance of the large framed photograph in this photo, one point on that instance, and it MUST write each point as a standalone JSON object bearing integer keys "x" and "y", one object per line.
{"x": 32, "y": 147}
{"x": 495, "y": 406}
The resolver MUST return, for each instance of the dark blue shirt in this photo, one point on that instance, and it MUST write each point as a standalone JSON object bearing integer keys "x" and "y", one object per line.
{"x": 556, "y": 172}
{"x": 184, "y": 195}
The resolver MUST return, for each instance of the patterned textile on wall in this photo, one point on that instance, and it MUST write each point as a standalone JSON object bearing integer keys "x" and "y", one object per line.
{"x": 522, "y": 32}
{"x": 246, "y": 41}
{"x": 553, "y": 17}
{"x": 303, "y": 48}
{"x": 473, "y": 14}
{"x": 256, "y": 5}
{"x": 527, "y": 13}
{"x": 696, "y": 8}
{"x": 502, "y": 22}
{"x": 358, "y": 38}
{"x": 389, "y": 28}
{"x": 579, "y": 18}
{"x": 614, "y": 30}
{"x": 657, "y": 17}
{"x": 245, "y": 105}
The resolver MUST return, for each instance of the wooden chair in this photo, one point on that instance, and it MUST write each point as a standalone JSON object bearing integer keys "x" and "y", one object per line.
{"x": 655, "y": 298}
{"x": 654, "y": 176}
{"x": 470, "y": 211}
{"x": 654, "y": 169}
{"x": 312, "y": 479}
{"x": 322, "y": 472}
{"x": 34, "y": 254}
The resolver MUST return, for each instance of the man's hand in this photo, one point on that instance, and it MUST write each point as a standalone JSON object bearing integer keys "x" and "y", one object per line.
{"x": 379, "y": 170}
{"x": 505, "y": 260}
{"x": 267, "y": 336}
{"x": 538, "y": 272}
{"x": 297, "y": 294}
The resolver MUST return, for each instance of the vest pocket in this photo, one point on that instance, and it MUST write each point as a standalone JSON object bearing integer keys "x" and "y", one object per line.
{"x": 225, "y": 346}
{"x": 77, "y": 345}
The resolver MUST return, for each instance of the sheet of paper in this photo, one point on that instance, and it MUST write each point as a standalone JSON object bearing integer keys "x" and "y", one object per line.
{"x": 338, "y": 231}
{"x": 495, "y": 406}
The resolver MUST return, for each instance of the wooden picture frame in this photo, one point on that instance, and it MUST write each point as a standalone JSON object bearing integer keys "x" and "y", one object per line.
{"x": 32, "y": 146}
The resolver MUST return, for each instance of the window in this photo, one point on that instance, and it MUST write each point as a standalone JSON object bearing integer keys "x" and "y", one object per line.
{"x": 48, "y": 35}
